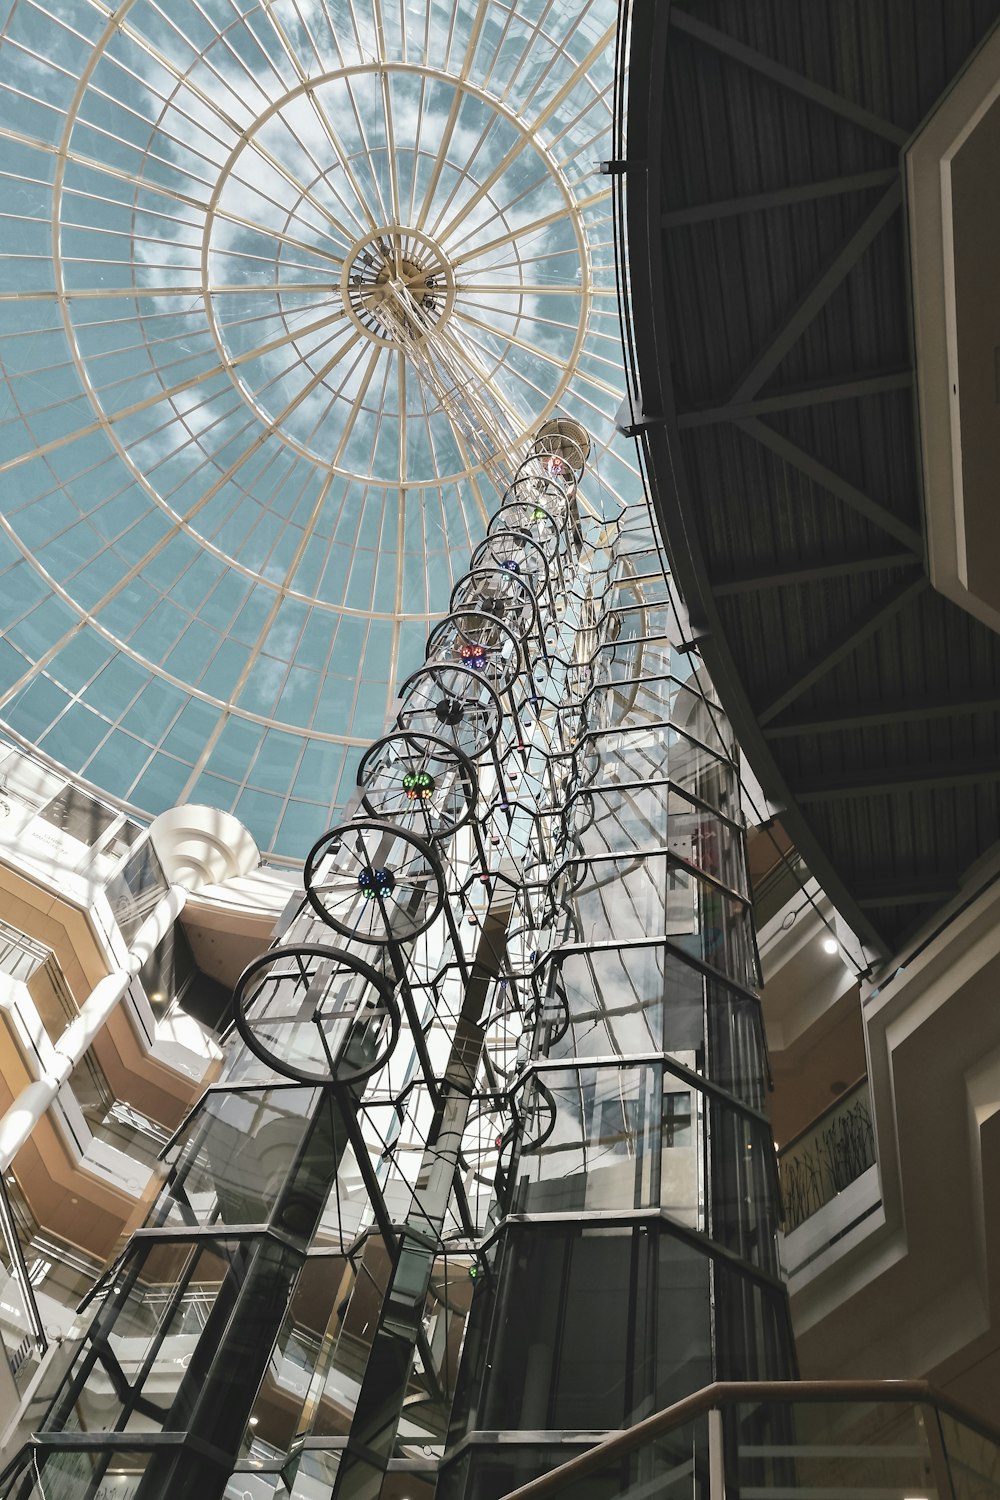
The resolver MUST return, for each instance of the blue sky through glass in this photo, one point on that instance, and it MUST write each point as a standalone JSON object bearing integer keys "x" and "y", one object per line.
{"x": 230, "y": 504}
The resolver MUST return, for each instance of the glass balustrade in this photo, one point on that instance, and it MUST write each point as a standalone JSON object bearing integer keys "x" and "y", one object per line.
{"x": 828, "y": 1156}
{"x": 789, "y": 1440}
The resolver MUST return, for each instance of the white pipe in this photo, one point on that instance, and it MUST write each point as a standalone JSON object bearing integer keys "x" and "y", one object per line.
{"x": 30, "y": 1105}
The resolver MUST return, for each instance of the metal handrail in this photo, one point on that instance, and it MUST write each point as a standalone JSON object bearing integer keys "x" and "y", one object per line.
{"x": 731, "y": 1393}
{"x": 8, "y": 1230}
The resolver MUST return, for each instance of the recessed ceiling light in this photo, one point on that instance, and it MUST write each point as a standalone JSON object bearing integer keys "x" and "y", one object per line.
{"x": 830, "y": 945}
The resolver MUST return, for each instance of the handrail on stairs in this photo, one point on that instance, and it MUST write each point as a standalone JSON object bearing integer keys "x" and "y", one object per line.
{"x": 730, "y": 1393}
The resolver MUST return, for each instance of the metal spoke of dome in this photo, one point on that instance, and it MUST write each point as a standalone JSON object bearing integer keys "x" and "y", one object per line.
{"x": 199, "y": 200}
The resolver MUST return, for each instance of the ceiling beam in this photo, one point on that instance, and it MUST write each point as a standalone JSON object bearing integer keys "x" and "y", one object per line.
{"x": 805, "y": 572}
{"x": 804, "y": 192}
{"x": 911, "y": 890}
{"x": 881, "y": 611}
{"x": 872, "y": 781}
{"x": 864, "y": 505}
{"x": 816, "y": 395}
{"x": 822, "y": 289}
{"x": 875, "y": 715}
{"x": 786, "y": 78}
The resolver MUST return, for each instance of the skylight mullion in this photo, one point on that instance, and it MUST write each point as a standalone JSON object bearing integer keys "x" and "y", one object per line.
{"x": 502, "y": 212}
{"x": 307, "y": 31}
{"x": 289, "y": 212}
{"x": 505, "y": 32}
{"x": 221, "y": 43}
{"x": 520, "y": 261}
{"x": 577, "y": 74}
{"x": 324, "y": 6}
{"x": 54, "y": 109}
{"x": 365, "y": 144}
{"x": 300, "y": 189}
{"x": 417, "y": 150}
{"x": 278, "y": 376}
{"x": 155, "y": 128}
{"x": 442, "y": 160}
{"x": 58, "y": 20}
{"x": 599, "y": 134}
{"x": 379, "y": 412}
{"x": 546, "y": 355}
{"x": 127, "y": 211}
{"x": 38, "y": 61}
{"x": 335, "y": 396}
{"x": 518, "y": 234}
{"x": 221, "y": 252}
{"x": 182, "y": 79}
{"x": 205, "y": 461}
{"x": 532, "y": 48}
{"x": 390, "y": 135}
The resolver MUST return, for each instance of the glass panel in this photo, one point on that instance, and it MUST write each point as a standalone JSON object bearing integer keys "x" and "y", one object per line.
{"x": 34, "y": 965}
{"x": 256, "y": 1486}
{"x": 53, "y": 1001}
{"x": 235, "y": 1156}
{"x": 591, "y": 1139}
{"x": 674, "y": 1468}
{"x": 650, "y": 752}
{"x": 114, "y": 1121}
{"x": 624, "y": 900}
{"x": 831, "y": 1448}
{"x": 17, "y": 1341}
{"x": 152, "y": 1323}
{"x": 834, "y": 1151}
{"x": 654, "y": 813}
{"x": 630, "y": 657}
{"x": 585, "y": 1329}
{"x": 20, "y": 957}
{"x": 611, "y": 1001}
{"x": 78, "y": 815}
{"x": 171, "y": 977}
{"x": 751, "y": 1328}
{"x": 134, "y": 891}
{"x": 744, "y": 1187}
{"x": 973, "y": 1459}
{"x": 314, "y": 1316}
{"x": 82, "y": 1476}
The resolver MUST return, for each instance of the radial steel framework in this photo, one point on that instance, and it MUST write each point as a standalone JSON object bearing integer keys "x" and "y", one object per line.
{"x": 232, "y": 503}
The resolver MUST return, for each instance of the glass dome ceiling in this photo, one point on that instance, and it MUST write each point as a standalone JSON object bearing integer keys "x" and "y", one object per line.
{"x": 231, "y": 500}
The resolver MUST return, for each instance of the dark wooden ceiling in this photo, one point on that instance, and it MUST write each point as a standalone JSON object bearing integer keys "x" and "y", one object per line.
{"x": 772, "y": 330}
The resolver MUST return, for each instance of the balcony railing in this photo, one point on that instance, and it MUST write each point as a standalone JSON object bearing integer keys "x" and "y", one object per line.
{"x": 790, "y": 1440}
{"x": 826, "y": 1157}
{"x": 37, "y": 968}
{"x": 761, "y": 1440}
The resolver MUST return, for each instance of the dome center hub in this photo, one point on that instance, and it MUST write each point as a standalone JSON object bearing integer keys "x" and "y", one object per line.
{"x": 397, "y": 285}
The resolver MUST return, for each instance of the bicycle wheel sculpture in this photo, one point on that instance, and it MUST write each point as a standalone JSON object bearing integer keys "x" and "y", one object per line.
{"x": 419, "y": 777}
{"x": 316, "y": 1014}
{"x": 454, "y": 703}
{"x": 374, "y": 881}
{"x": 480, "y": 643}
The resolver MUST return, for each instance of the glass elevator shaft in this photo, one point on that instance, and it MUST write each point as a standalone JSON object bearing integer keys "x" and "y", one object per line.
{"x": 486, "y": 1170}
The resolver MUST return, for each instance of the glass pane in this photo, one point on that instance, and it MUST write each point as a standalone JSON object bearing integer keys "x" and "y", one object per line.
{"x": 842, "y": 1448}
{"x": 822, "y": 1161}
{"x": 973, "y": 1459}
